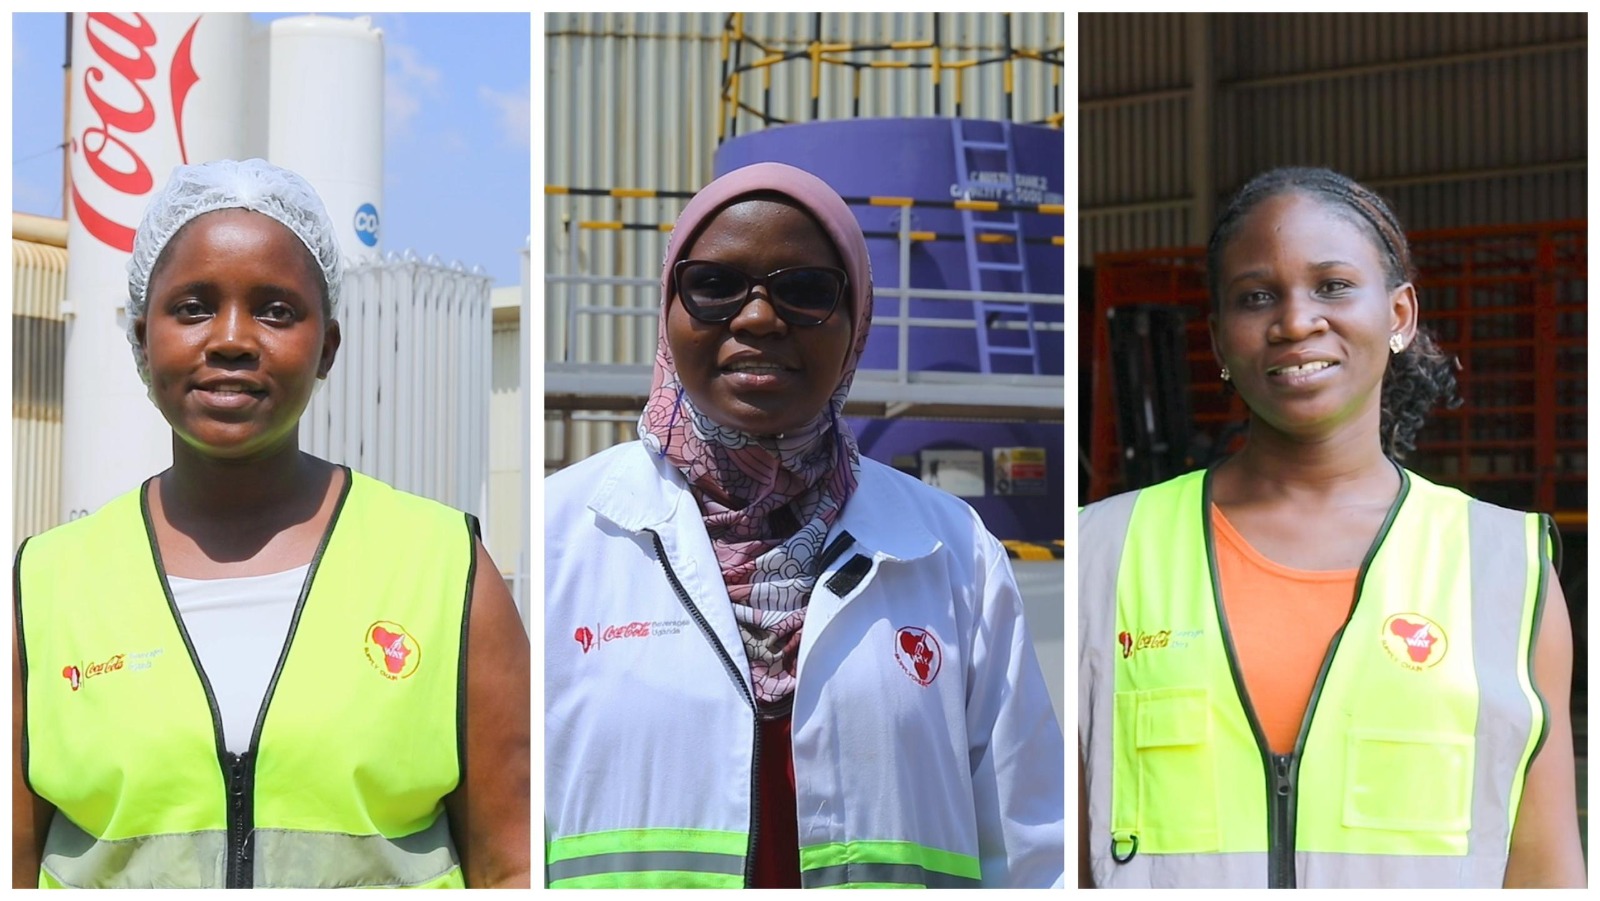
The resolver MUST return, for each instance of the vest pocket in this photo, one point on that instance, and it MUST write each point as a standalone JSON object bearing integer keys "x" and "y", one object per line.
{"x": 1165, "y": 787}
{"x": 1403, "y": 781}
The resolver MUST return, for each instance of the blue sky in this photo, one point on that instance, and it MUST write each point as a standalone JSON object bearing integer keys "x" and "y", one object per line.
{"x": 457, "y": 172}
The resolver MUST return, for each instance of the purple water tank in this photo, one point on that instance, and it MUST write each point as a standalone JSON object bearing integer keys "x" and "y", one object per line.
{"x": 918, "y": 158}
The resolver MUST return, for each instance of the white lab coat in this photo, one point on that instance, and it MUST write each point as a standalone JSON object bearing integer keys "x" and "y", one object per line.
{"x": 648, "y": 726}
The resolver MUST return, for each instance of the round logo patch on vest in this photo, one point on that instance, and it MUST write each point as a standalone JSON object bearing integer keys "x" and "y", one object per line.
{"x": 391, "y": 650}
{"x": 1414, "y": 641}
{"x": 918, "y": 653}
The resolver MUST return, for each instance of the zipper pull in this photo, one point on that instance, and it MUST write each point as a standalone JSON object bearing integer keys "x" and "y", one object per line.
{"x": 236, "y": 778}
{"x": 1282, "y": 783}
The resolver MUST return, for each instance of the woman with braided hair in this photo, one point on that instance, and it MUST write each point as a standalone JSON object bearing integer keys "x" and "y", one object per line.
{"x": 1307, "y": 666}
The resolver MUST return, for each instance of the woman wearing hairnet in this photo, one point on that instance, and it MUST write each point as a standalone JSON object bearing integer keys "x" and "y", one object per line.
{"x": 260, "y": 669}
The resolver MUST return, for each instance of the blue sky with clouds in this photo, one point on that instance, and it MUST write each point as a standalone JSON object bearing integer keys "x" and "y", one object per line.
{"x": 457, "y": 172}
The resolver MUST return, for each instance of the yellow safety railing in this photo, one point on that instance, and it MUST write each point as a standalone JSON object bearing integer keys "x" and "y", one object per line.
{"x": 818, "y": 54}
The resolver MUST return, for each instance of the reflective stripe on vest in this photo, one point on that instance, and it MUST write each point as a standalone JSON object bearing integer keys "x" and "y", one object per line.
{"x": 648, "y": 858}
{"x": 356, "y": 747}
{"x": 871, "y": 864}
{"x": 1411, "y": 766}
{"x": 75, "y": 859}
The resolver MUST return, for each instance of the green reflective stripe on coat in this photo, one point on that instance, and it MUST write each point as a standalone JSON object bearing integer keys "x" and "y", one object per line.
{"x": 886, "y": 863}
{"x": 648, "y": 858}
{"x": 1420, "y": 738}
{"x": 359, "y": 744}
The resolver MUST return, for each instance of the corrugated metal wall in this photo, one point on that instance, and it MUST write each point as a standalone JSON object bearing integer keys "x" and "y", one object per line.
{"x": 1459, "y": 119}
{"x": 632, "y": 102}
{"x": 38, "y": 350}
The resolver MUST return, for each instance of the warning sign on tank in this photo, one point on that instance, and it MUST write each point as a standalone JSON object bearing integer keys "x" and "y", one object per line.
{"x": 1019, "y": 471}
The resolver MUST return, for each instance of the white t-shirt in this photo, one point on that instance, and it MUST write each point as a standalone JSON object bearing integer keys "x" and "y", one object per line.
{"x": 238, "y": 627}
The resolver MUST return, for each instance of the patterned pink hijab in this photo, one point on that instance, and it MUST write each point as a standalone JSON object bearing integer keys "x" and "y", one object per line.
{"x": 767, "y": 501}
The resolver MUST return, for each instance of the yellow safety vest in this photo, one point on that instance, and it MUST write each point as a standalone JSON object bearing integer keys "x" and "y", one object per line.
{"x": 1410, "y": 761}
{"x": 356, "y": 746}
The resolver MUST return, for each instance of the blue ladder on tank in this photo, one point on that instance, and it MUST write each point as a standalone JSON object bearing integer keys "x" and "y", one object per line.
{"x": 990, "y": 274}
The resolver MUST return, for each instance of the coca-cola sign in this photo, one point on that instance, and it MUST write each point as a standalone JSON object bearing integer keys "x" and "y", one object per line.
{"x": 121, "y": 116}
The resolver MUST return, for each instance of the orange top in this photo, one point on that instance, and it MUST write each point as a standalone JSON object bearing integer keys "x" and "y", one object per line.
{"x": 1282, "y": 621}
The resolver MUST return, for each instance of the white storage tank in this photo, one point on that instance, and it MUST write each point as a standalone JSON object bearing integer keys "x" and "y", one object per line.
{"x": 325, "y": 119}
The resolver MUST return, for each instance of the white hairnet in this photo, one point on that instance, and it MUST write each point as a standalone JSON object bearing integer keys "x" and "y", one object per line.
{"x": 255, "y": 185}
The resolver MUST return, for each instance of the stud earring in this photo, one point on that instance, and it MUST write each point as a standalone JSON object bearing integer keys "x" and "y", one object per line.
{"x": 1226, "y": 375}
{"x": 1396, "y": 343}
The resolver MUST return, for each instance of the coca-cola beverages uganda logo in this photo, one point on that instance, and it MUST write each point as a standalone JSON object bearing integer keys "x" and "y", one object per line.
{"x": 120, "y": 65}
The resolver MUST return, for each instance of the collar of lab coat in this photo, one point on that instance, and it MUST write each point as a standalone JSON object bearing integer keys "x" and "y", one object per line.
{"x": 647, "y": 492}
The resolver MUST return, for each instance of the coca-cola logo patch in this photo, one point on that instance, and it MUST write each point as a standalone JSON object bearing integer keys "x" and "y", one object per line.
{"x": 918, "y": 653}
{"x": 639, "y": 630}
{"x": 391, "y": 650}
{"x": 78, "y": 674}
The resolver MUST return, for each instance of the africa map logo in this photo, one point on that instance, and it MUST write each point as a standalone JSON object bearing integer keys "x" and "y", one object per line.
{"x": 391, "y": 650}
{"x": 1414, "y": 641}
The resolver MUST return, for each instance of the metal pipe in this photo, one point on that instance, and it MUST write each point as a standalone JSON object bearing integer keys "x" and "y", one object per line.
{"x": 39, "y": 229}
{"x": 1086, "y": 104}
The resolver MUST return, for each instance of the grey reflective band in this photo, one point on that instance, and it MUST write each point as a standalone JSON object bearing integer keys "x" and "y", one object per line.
{"x": 647, "y": 862}
{"x": 1498, "y": 543}
{"x": 295, "y": 859}
{"x": 284, "y": 859}
{"x": 1102, "y": 529}
{"x": 1400, "y": 871}
{"x": 882, "y": 873}
{"x": 1249, "y": 870}
{"x": 1245, "y": 869}
{"x": 77, "y": 859}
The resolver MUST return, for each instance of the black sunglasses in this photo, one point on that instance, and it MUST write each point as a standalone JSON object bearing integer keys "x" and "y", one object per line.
{"x": 800, "y": 295}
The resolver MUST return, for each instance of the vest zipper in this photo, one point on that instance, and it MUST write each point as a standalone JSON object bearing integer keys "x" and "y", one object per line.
{"x": 241, "y": 834}
{"x": 239, "y": 770}
{"x": 744, "y": 691}
{"x": 1283, "y": 770}
{"x": 1281, "y": 820}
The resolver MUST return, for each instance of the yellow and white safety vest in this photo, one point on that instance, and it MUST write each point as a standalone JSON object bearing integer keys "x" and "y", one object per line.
{"x": 356, "y": 746}
{"x": 1410, "y": 761}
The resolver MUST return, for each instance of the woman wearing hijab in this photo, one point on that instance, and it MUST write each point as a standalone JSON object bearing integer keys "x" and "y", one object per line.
{"x": 771, "y": 661}
{"x": 260, "y": 669}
